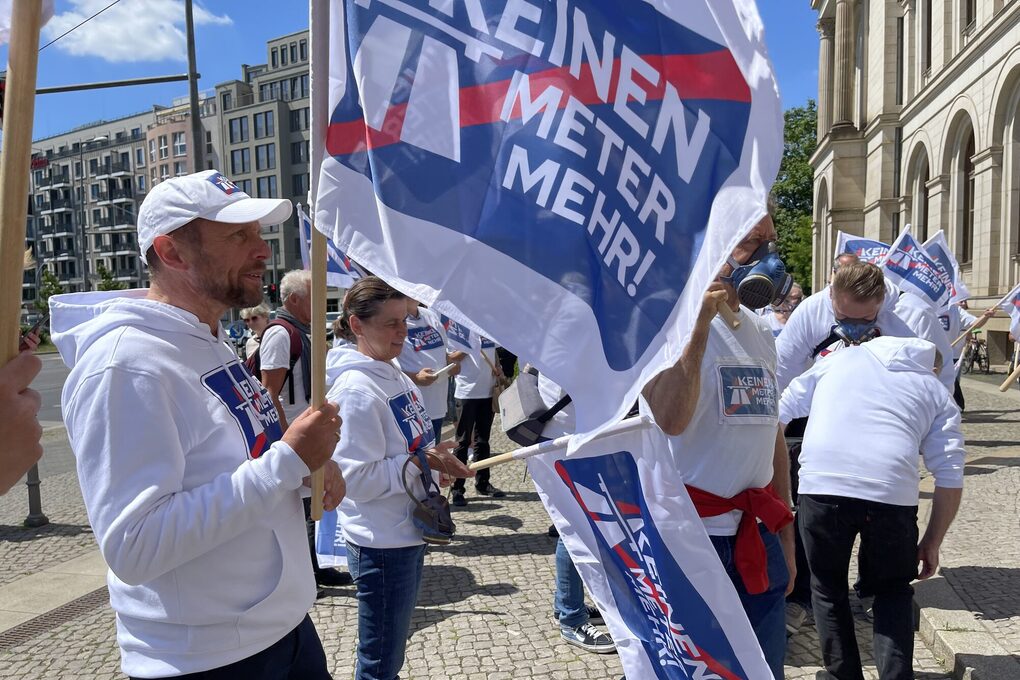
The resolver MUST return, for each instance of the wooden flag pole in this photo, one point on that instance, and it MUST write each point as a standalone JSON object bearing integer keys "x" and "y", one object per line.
{"x": 728, "y": 315}
{"x": 977, "y": 326}
{"x": 318, "y": 257}
{"x": 1015, "y": 375}
{"x": 19, "y": 111}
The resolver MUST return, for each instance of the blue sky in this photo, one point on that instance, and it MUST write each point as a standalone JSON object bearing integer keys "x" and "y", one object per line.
{"x": 145, "y": 38}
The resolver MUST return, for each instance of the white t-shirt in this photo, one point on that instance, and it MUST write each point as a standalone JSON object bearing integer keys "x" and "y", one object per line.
{"x": 275, "y": 351}
{"x": 954, "y": 321}
{"x": 425, "y": 347}
{"x": 730, "y": 442}
{"x": 475, "y": 380}
{"x": 251, "y": 345}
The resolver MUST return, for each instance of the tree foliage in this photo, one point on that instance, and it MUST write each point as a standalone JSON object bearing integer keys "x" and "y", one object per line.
{"x": 106, "y": 281}
{"x": 49, "y": 287}
{"x": 793, "y": 191}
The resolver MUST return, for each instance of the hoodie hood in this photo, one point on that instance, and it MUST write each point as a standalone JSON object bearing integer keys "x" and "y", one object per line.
{"x": 79, "y": 319}
{"x": 339, "y": 360}
{"x": 912, "y": 355}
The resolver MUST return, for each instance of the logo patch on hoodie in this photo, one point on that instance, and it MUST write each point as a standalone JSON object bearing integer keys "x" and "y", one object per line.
{"x": 413, "y": 420}
{"x": 424, "y": 338}
{"x": 252, "y": 409}
{"x": 747, "y": 391}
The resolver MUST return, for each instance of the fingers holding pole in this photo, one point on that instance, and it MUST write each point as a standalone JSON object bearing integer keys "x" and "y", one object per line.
{"x": 729, "y": 316}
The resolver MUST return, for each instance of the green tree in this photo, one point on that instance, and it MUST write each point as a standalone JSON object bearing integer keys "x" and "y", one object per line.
{"x": 794, "y": 191}
{"x": 49, "y": 287}
{"x": 106, "y": 281}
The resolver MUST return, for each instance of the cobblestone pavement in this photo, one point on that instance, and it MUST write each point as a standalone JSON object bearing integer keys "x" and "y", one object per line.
{"x": 485, "y": 611}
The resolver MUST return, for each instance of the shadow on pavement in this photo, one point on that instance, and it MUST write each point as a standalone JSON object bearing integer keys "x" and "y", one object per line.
{"x": 502, "y": 521}
{"x": 991, "y": 593}
{"x": 446, "y": 584}
{"x": 989, "y": 416}
{"x": 20, "y": 534}
{"x": 466, "y": 545}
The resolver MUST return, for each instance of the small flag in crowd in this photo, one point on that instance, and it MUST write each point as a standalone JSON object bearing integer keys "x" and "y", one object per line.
{"x": 330, "y": 547}
{"x": 866, "y": 249}
{"x": 567, "y": 176}
{"x": 948, "y": 268}
{"x": 341, "y": 272}
{"x": 624, "y": 515}
{"x": 1011, "y": 303}
{"x": 910, "y": 267}
{"x": 7, "y": 7}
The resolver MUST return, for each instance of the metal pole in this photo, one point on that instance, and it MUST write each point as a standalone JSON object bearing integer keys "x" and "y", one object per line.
{"x": 35, "y": 518}
{"x": 197, "y": 137}
{"x": 154, "y": 80}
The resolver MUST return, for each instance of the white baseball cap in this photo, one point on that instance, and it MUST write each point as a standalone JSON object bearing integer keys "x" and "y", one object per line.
{"x": 209, "y": 195}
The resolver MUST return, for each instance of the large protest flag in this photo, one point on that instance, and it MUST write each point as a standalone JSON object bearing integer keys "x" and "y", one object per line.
{"x": 567, "y": 176}
{"x": 866, "y": 249}
{"x": 623, "y": 513}
{"x": 909, "y": 266}
{"x": 949, "y": 270}
{"x": 1011, "y": 304}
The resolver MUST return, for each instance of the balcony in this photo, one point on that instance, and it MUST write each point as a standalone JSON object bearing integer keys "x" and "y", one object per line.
{"x": 55, "y": 180}
{"x": 111, "y": 170}
{"x": 121, "y": 195}
{"x": 102, "y": 223}
{"x": 61, "y": 205}
{"x": 125, "y": 248}
{"x": 63, "y": 229}
{"x": 125, "y": 275}
{"x": 64, "y": 254}
{"x": 44, "y": 208}
{"x": 102, "y": 198}
{"x": 45, "y": 231}
{"x": 123, "y": 221}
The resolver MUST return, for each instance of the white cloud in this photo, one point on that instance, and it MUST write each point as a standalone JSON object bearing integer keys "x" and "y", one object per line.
{"x": 130, "y": 31}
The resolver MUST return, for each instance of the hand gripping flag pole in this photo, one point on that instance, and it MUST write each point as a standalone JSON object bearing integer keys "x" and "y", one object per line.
{"x": 318, "y": 349}
{"x": 14, "y": 160}
{"x": 986, "y": 316}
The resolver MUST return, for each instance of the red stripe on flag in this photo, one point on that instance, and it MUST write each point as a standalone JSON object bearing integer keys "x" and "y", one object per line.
{"x": 712, "y": 75}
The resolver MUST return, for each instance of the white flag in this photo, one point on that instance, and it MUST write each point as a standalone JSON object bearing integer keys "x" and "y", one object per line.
{"x": 568, "y": 177}
{"x": 949, "y": 270}
{"x": 7, "y": 7}
{"x": 866, "y": 249}
{"x": 624, "y": 514}
{"x": 910, "y": 267}
{"x": 1011, "y": 304}
{"x": 341, "y": 271}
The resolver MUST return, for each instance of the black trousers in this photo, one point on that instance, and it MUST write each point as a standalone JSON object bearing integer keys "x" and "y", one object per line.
{"x": 958, "y": 394}
{"x": 473, "y": 430}
{"x": 297, "y": 656}
{"x": 887, "y": 563}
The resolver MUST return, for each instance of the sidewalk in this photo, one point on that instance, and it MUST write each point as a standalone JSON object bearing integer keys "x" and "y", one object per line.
{"x": 485, "y": 608}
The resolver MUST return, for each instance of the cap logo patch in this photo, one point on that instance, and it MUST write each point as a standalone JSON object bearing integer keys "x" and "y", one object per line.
{"x": 224, "y": 184}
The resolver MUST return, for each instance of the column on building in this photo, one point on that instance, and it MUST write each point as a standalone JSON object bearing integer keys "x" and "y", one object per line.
{"x": 826, "y": 32}
{"x": 909, "y": 49}
{"x": 939, "y": 205}
{"x": 988, "y": 226}
{"x": 843, "y": 80}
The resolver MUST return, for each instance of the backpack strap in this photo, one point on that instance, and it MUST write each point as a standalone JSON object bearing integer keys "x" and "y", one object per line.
{"x": 556, "y": 408}
{"x": 295, "y": 351}
{"x": 832, "y": 337}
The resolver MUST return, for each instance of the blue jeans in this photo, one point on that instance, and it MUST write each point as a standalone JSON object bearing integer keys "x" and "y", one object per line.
{"x": 437, "y": 428}
{"x": 766, "y": 611}
{"x": 569, "y": 598}
{"x": 297, "y": 655}
{"x": 388, "y": 580}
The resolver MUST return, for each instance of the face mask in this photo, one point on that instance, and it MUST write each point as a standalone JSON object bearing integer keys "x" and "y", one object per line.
{"x": 855, "y": 331}
{"x": 763, "y": 280}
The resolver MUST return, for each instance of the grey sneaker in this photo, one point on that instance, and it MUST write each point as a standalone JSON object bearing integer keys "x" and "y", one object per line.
{"x": 589, "y": 638}
{"x": 796, "y": 615}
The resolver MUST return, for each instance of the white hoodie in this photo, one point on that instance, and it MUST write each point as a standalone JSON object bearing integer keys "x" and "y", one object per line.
{"x": 902, "y": 315}
{"x": 194, "y": 503}
{"x": 872, "y": 408}
{"x": 384, "y": 420}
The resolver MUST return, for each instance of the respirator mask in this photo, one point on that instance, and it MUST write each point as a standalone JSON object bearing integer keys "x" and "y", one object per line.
{"x": 763, "y": 280}
{"x": 855, "y": 331}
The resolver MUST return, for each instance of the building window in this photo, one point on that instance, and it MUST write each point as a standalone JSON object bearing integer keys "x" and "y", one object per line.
{"x": 180, "y": 145}
{"x": 94, "y": 189}
{"x": 969, "y": 14}
{"x": 969, "y": 181}
{"x": 300, "y": 184}
{"x": 283, "y": 55}
{"x": 228, "y": 101}
{"x": 293, "y": 52}
{"x": 180, "y": 168}
{"x": 77, "y": 169}
{"x": 265, "y": 157}
{"x": 152, "y": 150}
{"x": 239, "y": 129}
{"x": 304, "y": 50}
{"x": 267, "y": 187}
{"x": 926, "y": 37}
{"x": 265, "y": 126}
{"x": 299, "y": 152}
{"x": 164, "y": 171}
{"x": 244, "y": 185}
{"x": 140, "y": 182}
{"x": 240, "y": 161}
{"x": 164, "y": 148}
{"x": 273, "y": 59}
{"x": 139, "y": 157}
{"x": 299, "y": 120}
{"x": 93, "y": 166}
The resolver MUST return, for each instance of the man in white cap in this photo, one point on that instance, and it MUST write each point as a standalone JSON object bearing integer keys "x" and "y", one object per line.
{"x": 191, "y": 487}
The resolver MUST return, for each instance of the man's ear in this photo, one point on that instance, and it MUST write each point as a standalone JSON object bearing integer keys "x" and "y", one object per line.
{"x": 169, "y": 253}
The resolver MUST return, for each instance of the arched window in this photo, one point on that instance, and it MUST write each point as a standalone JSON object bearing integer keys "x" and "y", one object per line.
{"x": 967, "y": 202}
{"x": 926, "y": 36}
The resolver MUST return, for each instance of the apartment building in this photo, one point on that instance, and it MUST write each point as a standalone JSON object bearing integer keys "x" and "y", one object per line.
{"x": 919, "y": 123}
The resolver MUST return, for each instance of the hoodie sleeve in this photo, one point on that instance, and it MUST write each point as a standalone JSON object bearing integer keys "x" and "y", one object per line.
{"x": 123, "y": 427}
{"x": 796, "y": 399}
{"x": 942, "y": 447}
{"x": 923, "y": 323}
{"x": 793, "y": 350}
{"x": 361, "y": 452}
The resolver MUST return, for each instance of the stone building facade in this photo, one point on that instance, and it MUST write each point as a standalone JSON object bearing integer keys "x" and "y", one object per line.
{"x": 919, "y": 123}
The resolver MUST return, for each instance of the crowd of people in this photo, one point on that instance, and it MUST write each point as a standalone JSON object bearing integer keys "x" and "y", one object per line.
{"x": 194, "y": 466}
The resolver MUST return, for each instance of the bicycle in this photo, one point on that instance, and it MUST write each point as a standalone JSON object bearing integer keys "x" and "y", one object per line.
{"x": 976, "y": 351}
